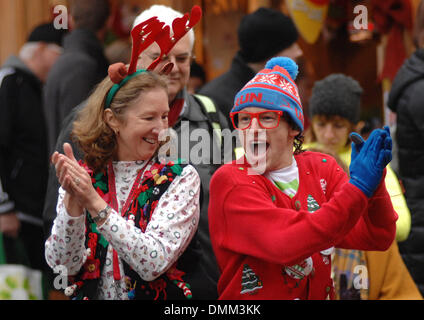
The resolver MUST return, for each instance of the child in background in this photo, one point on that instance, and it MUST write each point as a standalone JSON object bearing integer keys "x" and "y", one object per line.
{"x": 334, "y": 109}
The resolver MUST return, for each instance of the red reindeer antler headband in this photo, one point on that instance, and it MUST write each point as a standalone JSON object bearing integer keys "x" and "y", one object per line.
{"x": 143, "y": 35}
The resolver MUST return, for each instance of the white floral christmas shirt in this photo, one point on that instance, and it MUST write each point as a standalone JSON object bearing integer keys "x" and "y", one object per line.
{"x": 170, "y": 230}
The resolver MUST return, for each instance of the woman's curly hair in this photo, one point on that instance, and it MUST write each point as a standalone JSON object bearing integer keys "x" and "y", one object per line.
{"x": 92, "y": 134}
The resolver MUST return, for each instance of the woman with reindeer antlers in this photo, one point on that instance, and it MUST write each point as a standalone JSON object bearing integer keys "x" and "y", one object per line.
{"x": 125, "y": 218}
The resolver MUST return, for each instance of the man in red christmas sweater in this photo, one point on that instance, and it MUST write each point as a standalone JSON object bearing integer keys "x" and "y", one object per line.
{"x": 276, "y": 214}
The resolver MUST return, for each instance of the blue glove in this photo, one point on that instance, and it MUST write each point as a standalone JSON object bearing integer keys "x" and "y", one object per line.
{"x": 357, "y": 144}
{"x": 369, "y": 158}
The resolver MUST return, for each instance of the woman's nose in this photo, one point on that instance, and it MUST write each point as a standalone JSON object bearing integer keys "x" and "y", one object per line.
{"x": 160, "y": 125}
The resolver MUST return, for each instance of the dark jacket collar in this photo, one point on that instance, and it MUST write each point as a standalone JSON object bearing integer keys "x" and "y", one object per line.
{"x": 16, "y": 63}
{"x": 240, "y": 69}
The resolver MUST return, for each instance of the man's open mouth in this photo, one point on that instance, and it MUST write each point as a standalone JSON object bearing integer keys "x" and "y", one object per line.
{"x": 258, "y": 147}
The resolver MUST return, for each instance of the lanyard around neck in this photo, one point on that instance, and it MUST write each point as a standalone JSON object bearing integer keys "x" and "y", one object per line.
{"x": 112, "y": 188}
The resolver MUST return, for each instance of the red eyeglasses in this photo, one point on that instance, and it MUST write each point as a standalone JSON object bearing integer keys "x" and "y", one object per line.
{"x": 269, "y": 119}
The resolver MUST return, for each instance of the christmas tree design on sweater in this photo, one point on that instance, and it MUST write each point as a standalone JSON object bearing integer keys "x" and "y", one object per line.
{"x": 312, "y": 204}
{"x": 250, "y": 282}
{"x": 312, "y": 207}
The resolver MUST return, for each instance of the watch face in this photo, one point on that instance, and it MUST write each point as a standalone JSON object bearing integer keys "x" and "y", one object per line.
{"x": 103, "y": 213}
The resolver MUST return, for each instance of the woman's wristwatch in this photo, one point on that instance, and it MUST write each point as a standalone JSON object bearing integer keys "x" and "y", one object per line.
{"x": 102, "y": 214}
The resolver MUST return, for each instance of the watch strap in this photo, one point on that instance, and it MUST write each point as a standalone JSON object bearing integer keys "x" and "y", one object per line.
{"x": 100, "y": 216}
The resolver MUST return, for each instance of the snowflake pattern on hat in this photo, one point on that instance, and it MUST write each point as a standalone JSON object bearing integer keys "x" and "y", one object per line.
{"x": 276, "y": 80}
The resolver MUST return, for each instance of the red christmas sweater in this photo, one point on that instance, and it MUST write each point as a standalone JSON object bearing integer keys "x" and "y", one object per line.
{"x": 257, "y": 231}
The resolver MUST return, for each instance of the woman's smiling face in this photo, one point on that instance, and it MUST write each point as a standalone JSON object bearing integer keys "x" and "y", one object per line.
{"x": 144, "y": 119}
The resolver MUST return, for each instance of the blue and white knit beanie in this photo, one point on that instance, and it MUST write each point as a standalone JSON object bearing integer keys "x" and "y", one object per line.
{"x": 273, "y": 88}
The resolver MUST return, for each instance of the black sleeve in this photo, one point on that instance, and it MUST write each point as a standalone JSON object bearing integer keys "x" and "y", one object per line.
{"x": 8, "y": 107}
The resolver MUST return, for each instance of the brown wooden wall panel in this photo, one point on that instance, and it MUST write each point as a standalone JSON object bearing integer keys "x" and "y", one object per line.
{"x": 17, "y": 19}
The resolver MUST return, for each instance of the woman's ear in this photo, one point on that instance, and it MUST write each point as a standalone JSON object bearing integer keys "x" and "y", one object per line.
{"x": 111, "y": 120}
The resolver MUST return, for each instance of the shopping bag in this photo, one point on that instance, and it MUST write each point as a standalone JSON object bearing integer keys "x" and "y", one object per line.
{"x": 18, "y": 281}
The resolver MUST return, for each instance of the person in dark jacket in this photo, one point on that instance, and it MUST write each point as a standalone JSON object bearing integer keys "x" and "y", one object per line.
{"x": 406, "y": 99}
{"x": 197, "y": 78}
{"x": 263, "y": 34}
{"x": 81, "y": 67}
{"x": 23, "y": 143}
{"x": 190, "y": 116}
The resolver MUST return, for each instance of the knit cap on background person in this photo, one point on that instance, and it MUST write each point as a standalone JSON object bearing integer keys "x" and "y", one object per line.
{"x": 273, "y": 88}
{"x": 47, "y": 33}
{"x": 336, "y": 95}
{"x": 264, "y": 33}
